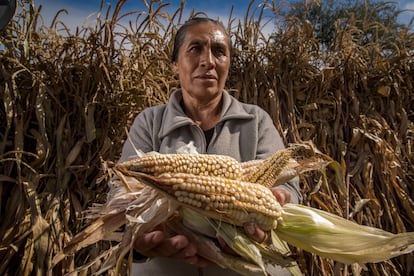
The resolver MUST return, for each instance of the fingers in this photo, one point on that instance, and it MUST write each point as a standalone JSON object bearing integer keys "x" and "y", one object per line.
{"x": 255, "y": 233}
{"x": 252, "y": 230}
{"x": 180, "y": 247}
{"x": 146, "y": 243}
{"x": 197, "y": 261}
{"x": 156, "y": 243}
{"x": 282, "y": 195}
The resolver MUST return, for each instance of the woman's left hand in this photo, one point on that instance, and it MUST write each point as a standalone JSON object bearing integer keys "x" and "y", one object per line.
{"x": 282, "y": 195}
{"x": 254, "y": 231}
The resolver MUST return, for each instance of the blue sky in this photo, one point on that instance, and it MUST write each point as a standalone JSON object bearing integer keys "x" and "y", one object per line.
{"x": 79, "y": 10}
{"x": 216, "y": 7}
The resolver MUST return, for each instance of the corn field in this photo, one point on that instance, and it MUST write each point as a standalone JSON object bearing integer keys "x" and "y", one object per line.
{"x": 68, "y": 97}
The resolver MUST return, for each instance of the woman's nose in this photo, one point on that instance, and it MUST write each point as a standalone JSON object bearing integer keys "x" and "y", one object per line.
{"x": 207, "y": 58}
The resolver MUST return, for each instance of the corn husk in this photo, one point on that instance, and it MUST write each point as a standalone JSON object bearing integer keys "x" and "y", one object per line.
{"x": 334, "y": 237}
{"x": 256, "y": 254}
{"x": 130, "y": 206}
{"x": 140, "y": 206}
{"x": 201, "y": 231}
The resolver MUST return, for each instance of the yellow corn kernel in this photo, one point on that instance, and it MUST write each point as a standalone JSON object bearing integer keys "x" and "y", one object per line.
{"x": 267, "y": 172}
{"x": 249, "y": 167}
{"x": 198, "y": 164}
{"x": 233, "y": 201}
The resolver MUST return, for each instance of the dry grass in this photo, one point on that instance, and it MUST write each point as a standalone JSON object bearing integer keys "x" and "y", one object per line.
{"x": 68, "y": 96}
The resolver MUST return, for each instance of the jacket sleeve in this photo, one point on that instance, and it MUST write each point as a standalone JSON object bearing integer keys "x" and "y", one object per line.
{"x": 269, "y": 142}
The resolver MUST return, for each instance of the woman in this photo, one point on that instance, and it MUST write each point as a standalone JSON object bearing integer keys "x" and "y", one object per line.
{"x": 203, "y": 112}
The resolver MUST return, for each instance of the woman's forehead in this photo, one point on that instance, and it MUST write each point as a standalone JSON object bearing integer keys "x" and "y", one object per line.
{"x": 206, "y": 31}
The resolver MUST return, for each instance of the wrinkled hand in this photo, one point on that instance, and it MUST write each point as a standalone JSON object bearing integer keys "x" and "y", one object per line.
{"x": 282, "y": 195}
{"x": 254, "y": 231}
{"x": 157, "y": 243}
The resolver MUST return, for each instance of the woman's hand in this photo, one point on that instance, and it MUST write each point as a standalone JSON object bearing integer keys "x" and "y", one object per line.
{"x": 254, "y": 231}
{"x": 282, "y": 195}
{"x": 157, "y": 243}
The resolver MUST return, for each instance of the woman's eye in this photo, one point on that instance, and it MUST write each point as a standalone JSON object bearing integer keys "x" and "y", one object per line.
{"x": 220, "y": 52}
{"x": 194, "y": 49}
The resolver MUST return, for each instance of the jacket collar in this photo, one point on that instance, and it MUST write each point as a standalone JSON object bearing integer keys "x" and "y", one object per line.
{"x": 174, "y": 116}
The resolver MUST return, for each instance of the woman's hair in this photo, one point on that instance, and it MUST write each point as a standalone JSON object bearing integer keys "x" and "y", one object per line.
{"x": 182, "y": 31}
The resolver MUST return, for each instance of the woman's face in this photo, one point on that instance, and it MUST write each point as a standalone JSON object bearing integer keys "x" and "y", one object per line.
{"x": 203, "y": 61}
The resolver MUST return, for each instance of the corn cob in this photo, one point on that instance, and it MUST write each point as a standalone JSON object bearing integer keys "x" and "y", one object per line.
{"x": 249, "y": 167}
{"x": 236, "y": 202}
{"x": 197, "y": 164}
{"x": 233, "y": 201}
{"x": 268, "y": 171}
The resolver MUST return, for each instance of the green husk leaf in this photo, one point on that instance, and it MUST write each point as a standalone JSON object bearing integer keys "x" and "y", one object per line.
{"x": 334, "y": 237}
{"x": 263, "y": 255}
{"x": 239, "y": 242}
{"x": 194, "y": 225}
{"x": 201, "y": 224}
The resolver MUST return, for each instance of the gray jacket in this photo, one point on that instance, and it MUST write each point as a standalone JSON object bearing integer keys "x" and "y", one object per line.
{"x": 244, "y": 132}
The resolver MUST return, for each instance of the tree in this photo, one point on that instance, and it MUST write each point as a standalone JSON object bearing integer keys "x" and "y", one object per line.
{"x": 378, "y": 19}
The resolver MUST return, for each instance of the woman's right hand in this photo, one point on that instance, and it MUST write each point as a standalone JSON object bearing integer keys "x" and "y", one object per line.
{"x": 158, "y": 244}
